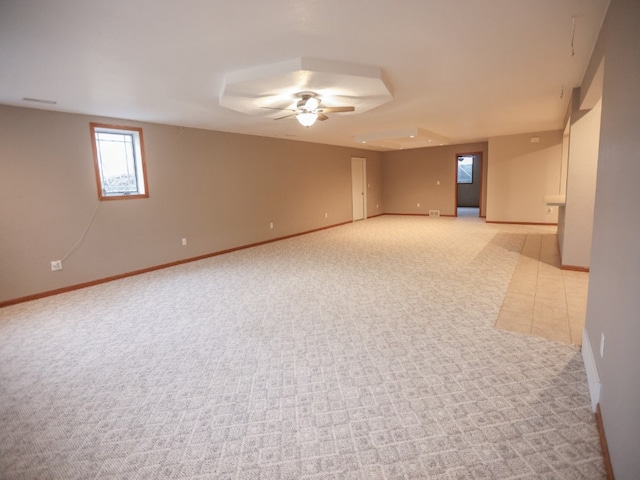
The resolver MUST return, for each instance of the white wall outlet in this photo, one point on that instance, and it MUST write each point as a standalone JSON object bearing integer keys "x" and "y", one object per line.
{"x": 418, "y": 205}
{"x": 271, "y": 225}
{"x": 376, "y": 205}
{"x": 326, "y": 215}
{"x": 437, "y": 182}
{"x": 601, "y": 345}
{"x": 184, "y": 242}
{"x": 56, "y": 265}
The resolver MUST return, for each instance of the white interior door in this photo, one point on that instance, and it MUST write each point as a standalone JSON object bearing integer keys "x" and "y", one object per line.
{"x": 358, "y": 188}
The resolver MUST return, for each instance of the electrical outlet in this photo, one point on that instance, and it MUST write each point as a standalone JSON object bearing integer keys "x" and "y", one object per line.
{"x": 184, "y": 242}
{"x": 326, "y": 215}
{"x": 418, "y": 205}
{"x": 56, "y": 265}
{"x": 271, "y": 225}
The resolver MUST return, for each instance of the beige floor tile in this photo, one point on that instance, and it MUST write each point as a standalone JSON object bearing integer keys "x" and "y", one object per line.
{"x": 514, "y": 321}
{"x": 576, "y": 290}
{"x": 526, "y": 262}
{"x": 552, "y": 333}
{"x": 576, "y": 326}
{"x": 514, "y": 327}
{"x": 546, "y": 252}
{"x": 530, "y": 256}
{"x": 550, "y": 261}
{"x": 531, "y": 251}
{"x": 550, "y": 323}
{"x": 550, "y": 315}
{"x": 555, "y": 292}
{"x": 551, "y": 271}
{"x": 578, "y": 277}
{"x": 523, "y": 285}
{"x": 525, "y": 269}
{"x": 519, "y": 302}
{"x": 535, "y": 238}
{"x": 576, "y": 306}
{"x": 549, "y": 241}
{"x": 542, "y": 299}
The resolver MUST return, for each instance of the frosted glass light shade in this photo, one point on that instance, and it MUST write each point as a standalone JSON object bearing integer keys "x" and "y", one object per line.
{"x": 307, "y": 118}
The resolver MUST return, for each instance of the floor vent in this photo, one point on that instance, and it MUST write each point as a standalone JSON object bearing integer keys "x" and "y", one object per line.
{"x": 434, "y": 213}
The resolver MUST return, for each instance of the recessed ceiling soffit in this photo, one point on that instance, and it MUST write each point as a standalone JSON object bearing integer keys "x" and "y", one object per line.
{"x": 405, "y": 138}
{"x": 256, "y": 91}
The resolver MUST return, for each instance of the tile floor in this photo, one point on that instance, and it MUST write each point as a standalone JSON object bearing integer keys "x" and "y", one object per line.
{"x": 542, "y": 299}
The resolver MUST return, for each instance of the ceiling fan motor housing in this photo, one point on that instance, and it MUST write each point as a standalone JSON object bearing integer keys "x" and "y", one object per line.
{"x": 309, "y": 102}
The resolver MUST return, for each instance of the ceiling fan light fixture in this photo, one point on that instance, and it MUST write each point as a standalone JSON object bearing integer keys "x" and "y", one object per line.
{"x": 307, "y": 119}
{"x": 311, "y": 104}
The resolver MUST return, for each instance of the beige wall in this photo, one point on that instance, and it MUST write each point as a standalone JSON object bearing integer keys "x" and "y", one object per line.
{"x": 218, "y": 190}
{"x": 374, "y": 185}
{"x": 411, "y": 176}
{"x": 520, "y": 174}
{"x": 576, "y": 227}
{"x": 613, "y": 307}
{"x": 563, "y": 180}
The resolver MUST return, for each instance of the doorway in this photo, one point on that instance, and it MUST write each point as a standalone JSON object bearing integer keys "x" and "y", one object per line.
{"x": 358, "y": 190}
{"x": 469, "y": 184}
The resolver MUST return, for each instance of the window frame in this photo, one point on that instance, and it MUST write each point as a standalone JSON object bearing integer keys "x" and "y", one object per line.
{"x": 140, "y": 164}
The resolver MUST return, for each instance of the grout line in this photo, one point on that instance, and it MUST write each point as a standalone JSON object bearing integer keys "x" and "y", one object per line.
{"x": 535, "y": 292}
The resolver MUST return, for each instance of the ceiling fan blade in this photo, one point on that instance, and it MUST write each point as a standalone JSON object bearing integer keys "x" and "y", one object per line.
{"x": 286, "y": 116}
{"x": 322, "y": 117}
{"x": 335, "y": 109}
{"x": 276, "y": 108}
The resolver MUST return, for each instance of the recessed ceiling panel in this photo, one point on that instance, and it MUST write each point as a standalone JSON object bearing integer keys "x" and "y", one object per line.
{"x": 256, "y": 91}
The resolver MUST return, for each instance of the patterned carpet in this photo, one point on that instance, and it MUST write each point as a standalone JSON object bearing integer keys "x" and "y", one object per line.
{"x": 364, "y": 351}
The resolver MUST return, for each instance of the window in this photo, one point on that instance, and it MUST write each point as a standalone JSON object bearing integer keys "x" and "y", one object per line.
{"x": 118, "y": 154}
{"x": 465, "y": 169}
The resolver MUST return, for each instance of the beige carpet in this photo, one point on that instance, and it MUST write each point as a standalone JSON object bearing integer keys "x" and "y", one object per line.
{"x": 361, "y": 352}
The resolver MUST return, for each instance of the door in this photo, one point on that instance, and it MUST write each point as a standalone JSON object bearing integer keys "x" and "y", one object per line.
{"x": 358, "y": 190}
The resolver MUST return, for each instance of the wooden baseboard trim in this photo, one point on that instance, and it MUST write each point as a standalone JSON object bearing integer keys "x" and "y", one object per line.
{"x": 523, "y": 223}
{"x": 408, "y": 214}
{"x": 574, "y": 268}
{"x": 417, "y": 215}
{"x": 603, "y": 443}
{"x": 70, "y": 288}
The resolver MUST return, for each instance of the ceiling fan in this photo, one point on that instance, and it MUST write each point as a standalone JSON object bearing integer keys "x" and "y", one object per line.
{"x": 308, "y": 109}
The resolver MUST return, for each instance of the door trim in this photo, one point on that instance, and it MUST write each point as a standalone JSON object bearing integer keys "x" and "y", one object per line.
{"x": 480, "y": 156}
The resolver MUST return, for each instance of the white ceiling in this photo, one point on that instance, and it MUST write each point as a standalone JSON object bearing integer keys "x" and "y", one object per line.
{"x": 462, "y": 70}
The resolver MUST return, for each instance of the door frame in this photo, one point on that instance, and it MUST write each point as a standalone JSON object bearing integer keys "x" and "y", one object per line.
{"x": 480, "y": 156}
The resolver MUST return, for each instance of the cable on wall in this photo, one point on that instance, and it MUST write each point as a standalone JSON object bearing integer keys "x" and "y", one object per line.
{"x": 84, "y": 234}
{"x": 573, "y": 35}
